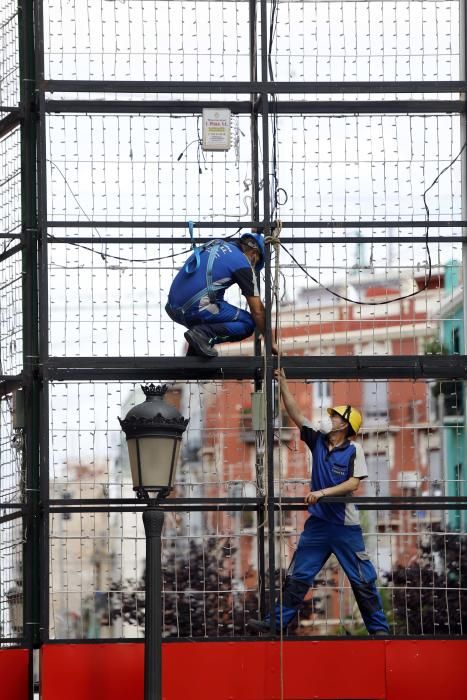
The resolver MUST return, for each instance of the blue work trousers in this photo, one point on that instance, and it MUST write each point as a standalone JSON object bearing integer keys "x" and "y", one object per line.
{"x": 229, "y": 324}
{"x": 318, "y": 541}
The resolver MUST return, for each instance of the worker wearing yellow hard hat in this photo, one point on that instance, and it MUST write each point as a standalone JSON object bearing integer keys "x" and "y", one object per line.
{"x": 333, "y": 526}
{"x": 350, "y": 415}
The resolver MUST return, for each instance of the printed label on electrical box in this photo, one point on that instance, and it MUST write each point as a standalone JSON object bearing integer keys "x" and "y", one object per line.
{"x": 216, "y": 129}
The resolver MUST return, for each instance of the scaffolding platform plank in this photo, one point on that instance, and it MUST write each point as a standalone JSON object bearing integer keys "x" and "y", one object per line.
{"x": 244, "y": 367}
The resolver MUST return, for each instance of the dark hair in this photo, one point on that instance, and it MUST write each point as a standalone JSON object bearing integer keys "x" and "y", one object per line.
{"x": 249, "y": 244}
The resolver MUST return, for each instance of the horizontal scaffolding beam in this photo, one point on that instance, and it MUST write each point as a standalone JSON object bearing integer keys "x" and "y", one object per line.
{"x": 251, "y": 504}
{"x": 369, "y": 107}
{"x": 233, "y": 368}
{"x": 10, "y": 384}
{"x": 10, "y": 516}
{"x": 174, "y": 240}
{"x": 9, "y": 252}
{"x": 230, "y": 508}
{"x": 147, "y": 106}
{"x": 247, "y": 87}
{"x": 338, "y": 223}
{"x": 244, "y": 107}
{"x": 10, "y": 122}
{"x": 133, "y": 505}
{"x": 241, "y": 501}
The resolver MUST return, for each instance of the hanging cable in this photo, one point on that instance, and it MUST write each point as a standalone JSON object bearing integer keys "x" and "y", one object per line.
{"x": 68, "y": 186}
{"x": 429, "y": 268}
{"x": 279, "y": 194}
{"x": 105, "y": 255}
{"x": 274, "y": 241}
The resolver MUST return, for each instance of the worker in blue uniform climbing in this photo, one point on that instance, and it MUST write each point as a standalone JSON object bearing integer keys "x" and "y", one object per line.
{"x": 196, "y": 297}
{"x": 332, "y": 528}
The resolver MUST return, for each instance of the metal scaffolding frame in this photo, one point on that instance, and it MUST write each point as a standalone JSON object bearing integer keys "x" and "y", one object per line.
{"x": 39, "y": 368}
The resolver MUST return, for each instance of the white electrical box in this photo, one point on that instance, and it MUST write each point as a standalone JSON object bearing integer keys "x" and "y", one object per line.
{"x": 17, "y": 409}
{"x": 257, "y": 410}
{"x": 216, "y": 129}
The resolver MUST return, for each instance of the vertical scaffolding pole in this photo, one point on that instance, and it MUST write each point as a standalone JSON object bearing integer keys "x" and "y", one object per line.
{"x": 253, "y": 21}
{"x": 463, "y": 132}
{"x": 31, "y": 559}
{"x": 259, "y": 443}
{"x": 43, "y": 308}
{"x": 268, "y": 365}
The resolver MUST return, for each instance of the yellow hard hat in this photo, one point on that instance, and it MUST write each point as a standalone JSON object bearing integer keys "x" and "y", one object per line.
{"x": 349, "y": 414}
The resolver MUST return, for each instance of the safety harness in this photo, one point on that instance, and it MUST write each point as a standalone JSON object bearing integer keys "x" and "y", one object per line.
{"x": 192, "y": 265}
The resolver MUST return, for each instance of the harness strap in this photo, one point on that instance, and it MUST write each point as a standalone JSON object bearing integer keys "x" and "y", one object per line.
{"x": 209, "y": 284}
{"x": 193, "y": 300}
{"x": 210, "y": 290}
{"x": 193, "y": 261}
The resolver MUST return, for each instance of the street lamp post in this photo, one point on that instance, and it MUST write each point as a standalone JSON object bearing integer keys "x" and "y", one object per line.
{"x": 153, "y": 430}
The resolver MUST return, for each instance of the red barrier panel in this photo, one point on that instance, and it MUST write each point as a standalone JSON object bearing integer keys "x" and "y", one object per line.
{"x": 217, "y": 671}
{"x": 427, "y": 670}
{"x": 92, "y": 671}
{"x": 324, "y": 670}
{"x": 256, "y": 671}
{"x": 14, "y": 674}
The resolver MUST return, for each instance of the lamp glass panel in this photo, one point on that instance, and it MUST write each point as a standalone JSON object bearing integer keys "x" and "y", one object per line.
{"x": 156, "y": 461}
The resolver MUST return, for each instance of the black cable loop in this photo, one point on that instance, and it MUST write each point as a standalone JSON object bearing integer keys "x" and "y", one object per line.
{"x": 405, "y": 296}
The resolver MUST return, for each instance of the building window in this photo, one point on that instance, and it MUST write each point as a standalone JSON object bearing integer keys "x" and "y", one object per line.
{"x": 456, "y": 341}
{"x": 453, "y": 398}
{"x": 244, "y": 520}
{"x": 458, "y": 479}
{"x": 451, "y": 403}
{"x": 377, "y": 483}
{"x": 459, "y": 522}
{"x": 321, "y": 394}
{"x": 434, "y": 467}
{"x": 432, "y": 397}
{"x": 375, "y": 400}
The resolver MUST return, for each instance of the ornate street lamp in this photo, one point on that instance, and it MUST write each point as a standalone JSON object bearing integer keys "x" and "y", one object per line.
{"x": 154, "y": 432}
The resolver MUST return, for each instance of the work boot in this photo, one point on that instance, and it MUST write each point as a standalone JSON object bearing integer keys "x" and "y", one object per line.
{"x": 199, "y": 343}
{"x": 260, "y": 626}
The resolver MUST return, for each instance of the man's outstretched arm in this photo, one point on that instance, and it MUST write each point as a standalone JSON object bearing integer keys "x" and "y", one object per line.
{"x": 259, "y": 317}
{"x": 291, "y": 406}
{"x": 345, "y": 489}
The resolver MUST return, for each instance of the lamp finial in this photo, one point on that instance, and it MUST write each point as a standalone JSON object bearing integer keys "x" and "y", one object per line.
{"x": 151, "y": 390}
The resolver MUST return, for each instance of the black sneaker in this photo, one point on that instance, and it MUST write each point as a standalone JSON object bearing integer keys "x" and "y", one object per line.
{"x": 198, "y": 342}
{"x": 260, "y": 626}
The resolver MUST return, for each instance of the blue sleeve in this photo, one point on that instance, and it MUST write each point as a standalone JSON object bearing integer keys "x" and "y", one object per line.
{"x": 309, "y": 436}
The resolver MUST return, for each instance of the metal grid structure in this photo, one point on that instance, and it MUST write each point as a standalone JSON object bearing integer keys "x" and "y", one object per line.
{"x": 348, "y": 126}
